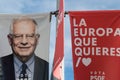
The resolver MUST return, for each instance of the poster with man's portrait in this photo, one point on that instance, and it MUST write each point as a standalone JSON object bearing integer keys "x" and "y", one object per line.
{"x": 24, "y": 39}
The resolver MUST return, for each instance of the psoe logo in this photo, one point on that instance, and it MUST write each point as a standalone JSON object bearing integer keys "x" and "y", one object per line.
{"x": 97, "y": 75}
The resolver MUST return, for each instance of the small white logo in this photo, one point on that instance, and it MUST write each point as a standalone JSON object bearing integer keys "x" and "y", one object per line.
{"x": 86, "y": 61}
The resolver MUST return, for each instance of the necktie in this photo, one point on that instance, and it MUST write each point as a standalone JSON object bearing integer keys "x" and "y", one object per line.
{"x": 23, "y": 74}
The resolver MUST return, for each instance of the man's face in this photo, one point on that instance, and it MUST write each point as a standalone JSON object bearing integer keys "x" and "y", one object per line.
{"x": 24, "y": 39}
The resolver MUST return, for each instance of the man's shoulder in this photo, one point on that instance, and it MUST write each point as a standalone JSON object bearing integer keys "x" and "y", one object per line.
{"x": 7, "y": 58}
{"x": 41, "y": 68}
{"x": 40, "y": 60}
{"x": 7, "y": 55}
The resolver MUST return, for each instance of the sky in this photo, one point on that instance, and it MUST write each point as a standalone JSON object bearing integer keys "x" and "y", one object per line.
{"x": 42, "y": 6}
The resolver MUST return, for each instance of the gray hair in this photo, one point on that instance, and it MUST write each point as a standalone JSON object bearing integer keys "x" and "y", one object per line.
{"x": 23, "y": 18}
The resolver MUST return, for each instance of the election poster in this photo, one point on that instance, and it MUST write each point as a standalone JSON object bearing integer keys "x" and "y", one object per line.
{"x": 24, "y": 46}
{"x": 95, "y": 44}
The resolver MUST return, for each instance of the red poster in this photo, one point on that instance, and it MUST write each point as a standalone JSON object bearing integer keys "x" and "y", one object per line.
{"x": 96, "y": 44}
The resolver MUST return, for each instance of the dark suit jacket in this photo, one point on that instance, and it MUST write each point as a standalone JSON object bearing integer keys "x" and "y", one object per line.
{"x": 40, "y": 70}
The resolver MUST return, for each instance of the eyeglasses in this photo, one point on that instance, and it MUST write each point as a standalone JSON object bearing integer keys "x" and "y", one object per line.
{"x": 27, "y": 36}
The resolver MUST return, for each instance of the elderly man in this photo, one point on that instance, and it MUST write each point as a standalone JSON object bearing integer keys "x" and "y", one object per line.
{"x": 23, "y": 64}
